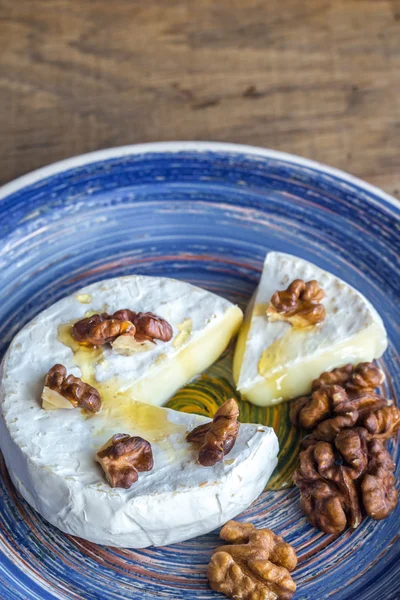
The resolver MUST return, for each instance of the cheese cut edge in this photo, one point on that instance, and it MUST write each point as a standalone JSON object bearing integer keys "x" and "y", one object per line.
{"x": 366, "y": 345}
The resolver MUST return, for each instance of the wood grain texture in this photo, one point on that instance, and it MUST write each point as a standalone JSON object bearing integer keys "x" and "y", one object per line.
{"x": 317, "y": 78}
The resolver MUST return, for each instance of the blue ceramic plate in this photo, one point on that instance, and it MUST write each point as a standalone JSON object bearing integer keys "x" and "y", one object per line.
{"x": 206, "y": 213}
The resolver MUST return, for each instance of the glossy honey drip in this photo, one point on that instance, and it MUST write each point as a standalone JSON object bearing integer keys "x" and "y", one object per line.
{"x": 118, "y": 402}
{"x": 282, "y": 351}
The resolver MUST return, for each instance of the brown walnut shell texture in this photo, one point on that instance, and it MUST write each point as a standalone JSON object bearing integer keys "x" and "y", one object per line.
{"x": 100, "y": 329}
{"x": 300, "y": 304}
{"x": 217, "y": 438}
{"x": 123, "y": 457}
{"x": 73, "y": 388}
{"x": 256, "y": 565}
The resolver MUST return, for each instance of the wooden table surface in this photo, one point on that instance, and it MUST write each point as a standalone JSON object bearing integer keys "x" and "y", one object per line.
{"x": 317, "y": 78}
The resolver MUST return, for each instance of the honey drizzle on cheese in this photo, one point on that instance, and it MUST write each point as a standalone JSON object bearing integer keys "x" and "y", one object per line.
{"x": 118, "y": 403}
{"x": 281, "y": 350}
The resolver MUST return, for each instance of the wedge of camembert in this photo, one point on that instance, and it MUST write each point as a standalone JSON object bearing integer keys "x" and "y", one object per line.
{"x": 275, "y": 361}
{"x": 50, "y": 448}
{"x": 202, "y": 326}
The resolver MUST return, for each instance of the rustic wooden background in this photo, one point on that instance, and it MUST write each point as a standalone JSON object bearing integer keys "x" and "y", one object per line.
{"x": 317, "y": 78}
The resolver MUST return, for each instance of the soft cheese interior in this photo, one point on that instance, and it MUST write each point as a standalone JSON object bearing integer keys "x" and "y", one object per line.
{"x": 203, "y": 324}
{"x": 274, "y": 362}
{"x": 51, "y": 454}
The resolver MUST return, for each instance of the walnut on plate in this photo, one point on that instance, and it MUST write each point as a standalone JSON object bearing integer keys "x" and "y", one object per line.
{"x": 345, "y": 469}
{"x": 69, "y": 392}
{"x": 152, "y": 327}
{"x": 378, "y": 491}
{"x": 308, "y": 411}
{"x": 338, "y": 376}
{"x": 328, "y": 492}
{"x": 300, "y": 304}
{"x": 256, "y": 565}
{"x": 332, "y": 407}
{"x": 217, "y": 438}
{"x": 373, "y": 412}
{"x": 123, "y": 457}
{"x": 338, "y": 481}
{"x": 382, "y": 424}
{"x": 365, "y": 377}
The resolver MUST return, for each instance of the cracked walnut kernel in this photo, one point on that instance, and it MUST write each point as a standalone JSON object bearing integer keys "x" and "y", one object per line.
{"x": 365, "y": 377}
{"x": 378, "y": 491}
{"x": 328, "y": 493}
{"x": 100, "y": 329}
{"x": 152, "y": 327}
{"x": 123, "y": 457}
{"x": 328, "y": 411}
{"x": 308, "y": 411}
{"x": 345, "y": 468}
{"x": 332, "y": 407}
{"x": 256, "y": 565}
{"x": 300, "y": 304}
{"x": 338, "y": 481}
{"x": 62, "y": 391}
{"x": 217, "y": 438}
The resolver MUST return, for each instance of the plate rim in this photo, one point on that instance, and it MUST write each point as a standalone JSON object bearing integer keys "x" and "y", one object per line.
{"x": 368, "y": 193}
{"x": 80, "y": 160}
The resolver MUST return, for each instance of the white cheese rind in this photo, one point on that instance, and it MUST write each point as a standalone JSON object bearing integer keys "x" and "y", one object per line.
{"x": 178, "y": 500}
{"x": 155, "y": 375}
{"x": 51, "y": 454}
{"x": 352, "y": 332}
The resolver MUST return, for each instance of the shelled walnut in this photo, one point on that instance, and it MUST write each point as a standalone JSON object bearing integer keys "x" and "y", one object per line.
{"x": 308, "y": 411}
{"x": 123, "y": 457}
{"x": 217, "y": 438}
{"x": 362, "y": 378}
{"x": 345, "y": 468}
{"x": 332, "y": 407}
{"x": 337, "y": 482}
{"x": 328, "y": 492}
{"x": 69, "y": 392}
{"x": 256, "y": 565}
{"x": 300, "y": 304}
{"x": 103, "y": 328}
{"x": 378, "y": 491}
{"x": 151, "y": 327}
{"x": 381, "y": 423}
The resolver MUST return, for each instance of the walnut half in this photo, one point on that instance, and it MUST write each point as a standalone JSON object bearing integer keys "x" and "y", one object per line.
{"x": 344, "y": 398}
{"x": 378, "y": 490}
{"x": 100, "y": 329}
{"x": 69, "y": 392}
{"x": 328, "y": 493}
{"x": 338, "y": 480}
{"x": 365, "y": 377}
{"x": 300, "y": 304}
{"x": 216, "y": 439}
{"x": 255, "y": 566}
{"x": 123, "y": 457}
